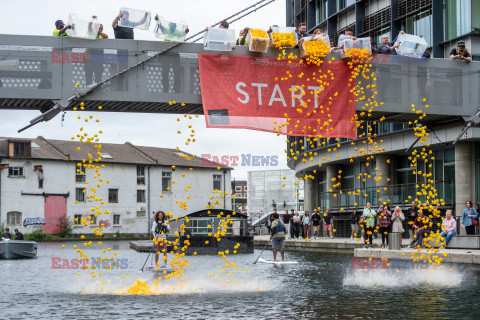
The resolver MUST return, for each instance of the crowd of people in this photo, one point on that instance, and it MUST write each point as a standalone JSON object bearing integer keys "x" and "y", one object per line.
{"x": 371, "y": 222}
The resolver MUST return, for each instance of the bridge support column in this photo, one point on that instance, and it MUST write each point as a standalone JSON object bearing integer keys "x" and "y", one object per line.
{"x": 464, "y": 176}
{"x": 311, "y": 193}
{"x": 383, "y": 172}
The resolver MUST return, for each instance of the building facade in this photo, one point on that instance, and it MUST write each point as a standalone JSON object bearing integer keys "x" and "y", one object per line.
{"x": 39, "y": 179}
{"x": 239, "y": 189}
{"x": 280, "y": 186}
{"x": 442, "y": 22}
{"x": 389, "y": 176}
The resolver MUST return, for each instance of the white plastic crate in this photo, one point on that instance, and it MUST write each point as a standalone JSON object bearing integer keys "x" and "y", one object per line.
{"x": 347, "y": 44}
{"x": 257, "y": 44}
{"x": 81, "y": 27}
{"x": 284, "y": 30}
{"x": 169, "y": 30}
{"x": 218, "y": 39}
{"x": 363, "y": 43}
{"x": 133, "y": 18}
{"x": 411, "y": 45}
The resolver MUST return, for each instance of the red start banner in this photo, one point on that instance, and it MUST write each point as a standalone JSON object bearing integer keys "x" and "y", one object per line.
{"x": 248, "y": 92}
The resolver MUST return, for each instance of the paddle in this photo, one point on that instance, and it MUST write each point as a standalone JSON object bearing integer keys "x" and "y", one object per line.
{"x": 262, "y": 251}
{"x": 141, "y": 270}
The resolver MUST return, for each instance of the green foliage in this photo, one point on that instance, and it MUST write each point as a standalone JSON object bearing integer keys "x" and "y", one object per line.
{"x": 36, "y": 235}
{"x": 2, "y": 229}
{"x": 66, "y": 228}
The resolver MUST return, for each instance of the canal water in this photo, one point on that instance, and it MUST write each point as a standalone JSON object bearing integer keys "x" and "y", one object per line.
{"x": 320, "y": 286}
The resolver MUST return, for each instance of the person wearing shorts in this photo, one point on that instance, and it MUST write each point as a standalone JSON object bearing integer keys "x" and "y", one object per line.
{"x": 327, "y": 223}
{"x": 316, "y": 223}
{"x": 159, "y": 231}
{"x": 278, "y": 236}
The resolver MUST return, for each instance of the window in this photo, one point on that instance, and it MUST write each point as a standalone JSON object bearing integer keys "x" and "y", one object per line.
{"x": 201, "y": 226}
{"x": 14, "y": 218}
{"x": 321, "y": 11}
{"x": 40, "y": 179}
{"x": 15, "y": 171}
{"x": 80, "y": 194}
{"x": 113, "y": 195}
{"x": 166, "y": 181}
{"x": 141, "y": 175}
{"x": 116, "y": 219}
{"x": 238, "y": 188}
{"x": 458, "y": 18}
{"x": 342, "y": 4}
{"x": 93, "y": 220}
{"x": 245, "y": 188}
{"x": 79, "y": 176}
{"x": 217, "y": 182}
{"x": 21, "y": 149}
{"x": 77, "y": 220}
{"x": 140, "y": 195}
{"x": 420, "y": 24}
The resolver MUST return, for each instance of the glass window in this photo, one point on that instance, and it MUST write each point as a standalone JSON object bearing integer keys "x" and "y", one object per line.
{"x": 201, "y": 226}
{"x": 238, "y": 188}
{"x": 79, "y": 175}
{"x": 449, "y": 155}
{"x": 420, "y": 24}
{"x": 141, "y": 196}
{"x": 321, "y": 11}
{"x": 116, "y": 219}
{"x": 113, "y": 195}
{"x": 217, "y": 182}
{"x": 21, "y": 149}
{"x": 77, "y": 219}
{"x": 14, "y": 218}
{"x": 166, "y": 181}
{"x": 93, "y": 219}
{"x": 377, "y": 35}
{"x": 80, "y": 194}
{"x": 15, "y": 171}
{"x": 140, "y": 175}
{"x": 458, "y": 18}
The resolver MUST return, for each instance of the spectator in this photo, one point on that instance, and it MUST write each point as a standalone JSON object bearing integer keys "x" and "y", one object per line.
{"x": 412, "y": 216}
{"x": 422, "y": 228}
{"x": 397, "y": 222}
{"x": 354, "y": 223}
{"x": 460, "y": 52}
{"x": 373, "y": 45}
{"x": 241, "y": 41}
{"x": 60, "y": 29}
{"x": 385, "y": 215}
{"x": 369, "y": 217}
{"x": 302, "y": 31}
{"x": 18, "y": 235}
{"x": 306, "y": 225}
{"x": 469, "y": 218}
{"x": 268, "y": 223}
{"x": 316, "y": 223}
{"x": 387, "y": 47}
{"x": 286, "y": 221}
{"x": 348, "y": 34}
{"x": 7, "y": 234}
{"x": 296, "y": 225}
{"x": 449, "y": 227}
{"x": 327, "y": 224}
{"x": 274, "y": 205}
{"x": 277, "y": 237}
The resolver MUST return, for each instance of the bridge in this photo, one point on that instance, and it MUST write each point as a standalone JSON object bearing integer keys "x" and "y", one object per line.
{"x": 38, "y": 72}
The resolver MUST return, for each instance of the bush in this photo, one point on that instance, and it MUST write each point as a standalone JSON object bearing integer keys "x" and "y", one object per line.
{"x": 65, "y": 228}
{"x": 36, "y": 235}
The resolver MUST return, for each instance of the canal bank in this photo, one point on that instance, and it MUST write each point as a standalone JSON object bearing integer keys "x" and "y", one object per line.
{"x": 348, "y": 246}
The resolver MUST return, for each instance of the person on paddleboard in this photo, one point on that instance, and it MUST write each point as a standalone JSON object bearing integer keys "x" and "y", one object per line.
{"x": 278, "y": 236}
{"x": 159, "y": 230}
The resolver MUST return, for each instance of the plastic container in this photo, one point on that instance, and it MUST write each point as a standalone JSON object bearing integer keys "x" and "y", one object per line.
{"x": 303, "y": 50}
{"x": 135, "y": 19}
{"x": 218, "y": 39}
{"x": 257, "y": 44}
{"x": 169, "y": 30}
{"x": 363, "y": 43}
{"x": 411, "y": 45}
{"x": 347, "y": 44}
{"x": 284, "y": 30}
{"x": 86, "y": 28}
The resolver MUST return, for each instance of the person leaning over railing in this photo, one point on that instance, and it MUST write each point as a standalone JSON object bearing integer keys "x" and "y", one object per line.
{"x": 60, "y": 29}
{"x": 469, "y": 218}
{"x": 449, "y": 227}
{"x": 460, "y": 52}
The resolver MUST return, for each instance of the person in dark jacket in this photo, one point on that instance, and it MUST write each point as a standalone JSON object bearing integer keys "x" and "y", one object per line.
{"x": 387, "y": 47}
{"x": 286, "y": 221}
{"x": 7, "y": 234}
{"x": 412, "y": 216}
{"x": 18, "y": 235}
{"x": 355, "y": 223}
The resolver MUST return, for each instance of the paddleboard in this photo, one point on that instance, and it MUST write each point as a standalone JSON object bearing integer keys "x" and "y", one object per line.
{"x": 263, "y": 260}
{"x": 153, "y": 267}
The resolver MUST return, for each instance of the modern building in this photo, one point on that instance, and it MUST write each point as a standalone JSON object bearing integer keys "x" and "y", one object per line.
{"x": 39, "y": 179}
{"x": 239, "y": 189}
{"x": 280, "y": 186}
{"x": 441, "y": 22}
{"x": 456, "y": 167}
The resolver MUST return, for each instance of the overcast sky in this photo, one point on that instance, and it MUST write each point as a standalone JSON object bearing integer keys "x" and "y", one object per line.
{"x": 29, "y": 17}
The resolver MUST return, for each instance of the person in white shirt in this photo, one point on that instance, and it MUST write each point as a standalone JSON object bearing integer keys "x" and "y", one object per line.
{"x": 159, "y": 230}
{"x": 347, "y": 35}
